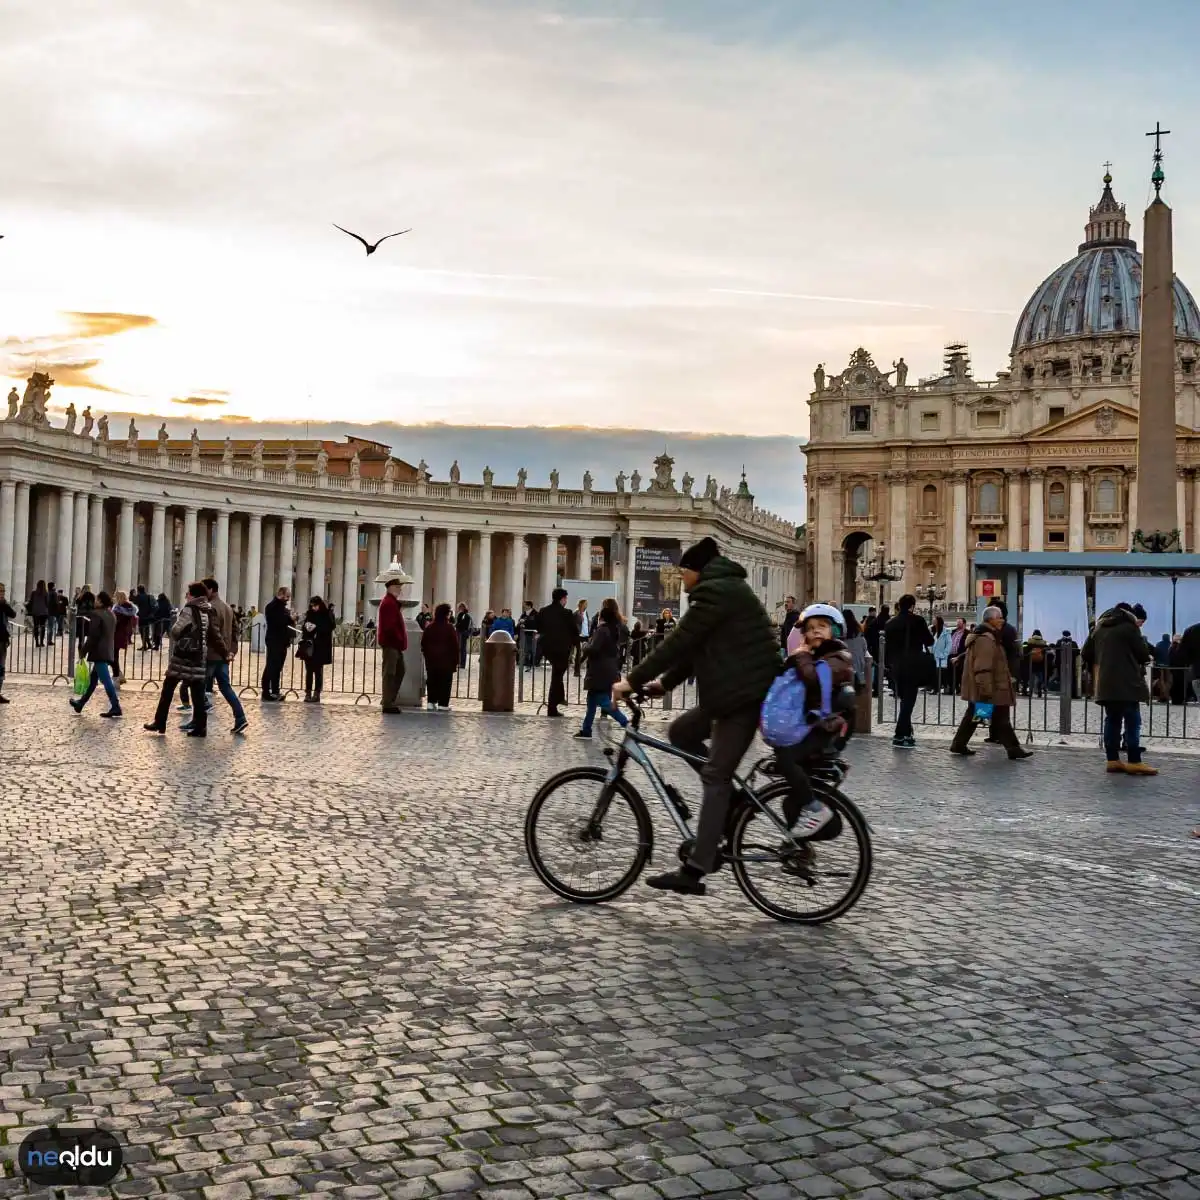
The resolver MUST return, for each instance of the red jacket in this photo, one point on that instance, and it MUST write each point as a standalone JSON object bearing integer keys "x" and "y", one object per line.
{"x": 439, "y": 645}
{"x": 390, "y": 631}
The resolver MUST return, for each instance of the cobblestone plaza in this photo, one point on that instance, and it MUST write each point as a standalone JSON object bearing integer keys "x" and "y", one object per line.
{"x": 316, "y": 959}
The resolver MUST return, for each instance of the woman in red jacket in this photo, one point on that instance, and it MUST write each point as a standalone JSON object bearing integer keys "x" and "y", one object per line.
{"x": 439, "y": 645}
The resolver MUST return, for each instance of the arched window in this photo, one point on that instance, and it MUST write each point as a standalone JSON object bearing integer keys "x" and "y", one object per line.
{"x": 929, "y": 500}
{"x": 1058, "y": 500}
{"x": 860, "y": 501}
{"x": 989, "y": 499}
{"x": 1106, "y": 496}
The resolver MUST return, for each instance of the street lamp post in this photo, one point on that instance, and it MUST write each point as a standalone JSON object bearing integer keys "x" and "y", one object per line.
{"x": 930, "y": 593}
{"x": 881, "y": 570}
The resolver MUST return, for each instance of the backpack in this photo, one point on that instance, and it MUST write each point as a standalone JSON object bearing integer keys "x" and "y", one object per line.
{"x": 785, "y": 718}
{"x": 189, "y": 644}
{"x": 1038, "y": 655}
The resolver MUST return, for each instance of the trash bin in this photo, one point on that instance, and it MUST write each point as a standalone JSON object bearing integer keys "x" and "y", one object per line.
{"x": 497, "y": 672}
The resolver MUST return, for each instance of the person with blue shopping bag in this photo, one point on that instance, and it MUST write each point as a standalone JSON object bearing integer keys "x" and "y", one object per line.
{"x": 987, "y": 687}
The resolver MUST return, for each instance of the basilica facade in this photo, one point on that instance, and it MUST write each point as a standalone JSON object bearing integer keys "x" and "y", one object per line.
{"x": 1043, "y": 457}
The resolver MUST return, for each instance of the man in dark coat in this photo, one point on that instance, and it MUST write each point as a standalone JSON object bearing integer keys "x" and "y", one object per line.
{"x": 907, "y": 660}
{"x": 558, "y": 635}
{"x": 144, "y": 603}
{"x": 1117, "y": 653}
{"x": 726, "y": 641}
{"x": 278, "y": 638}
{"x": 99, "y": 648}
{"x": 462, "y": 626}
{"x": 790, "y": 617}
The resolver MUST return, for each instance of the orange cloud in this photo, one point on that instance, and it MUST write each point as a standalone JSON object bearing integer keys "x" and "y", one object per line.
{"x": 75, "y": 374}
{"x": 104, "y": 324}
{"x": 200, "y": 401}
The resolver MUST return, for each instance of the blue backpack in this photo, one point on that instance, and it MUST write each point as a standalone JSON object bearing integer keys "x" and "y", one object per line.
{"x": 786, "y": 718}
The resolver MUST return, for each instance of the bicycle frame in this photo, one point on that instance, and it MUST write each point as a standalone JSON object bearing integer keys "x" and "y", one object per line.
{"x": 633, "y": 747}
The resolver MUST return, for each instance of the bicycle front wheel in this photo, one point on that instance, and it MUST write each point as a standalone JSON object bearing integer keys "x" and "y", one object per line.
{"x": 822, "y": 882}
{"x": 583, "y": 846}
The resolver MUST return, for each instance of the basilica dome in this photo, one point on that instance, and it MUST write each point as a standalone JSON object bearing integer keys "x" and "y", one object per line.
{"x": 1099, "y": 291}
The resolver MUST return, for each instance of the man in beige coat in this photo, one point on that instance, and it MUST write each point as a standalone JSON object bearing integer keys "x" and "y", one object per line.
{"x": 218, "y": 663}
{"x": 986, "y": 679}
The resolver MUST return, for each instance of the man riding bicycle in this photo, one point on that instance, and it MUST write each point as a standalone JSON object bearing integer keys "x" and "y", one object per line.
{"x": 726, "y": 642}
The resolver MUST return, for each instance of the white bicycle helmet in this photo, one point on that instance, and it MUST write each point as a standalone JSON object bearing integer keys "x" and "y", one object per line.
{"x": 827, "y": 611}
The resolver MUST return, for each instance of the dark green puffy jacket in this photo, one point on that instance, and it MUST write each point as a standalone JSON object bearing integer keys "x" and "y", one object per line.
{"x": 725, "y": 640}
{"x": 1118, "y": 654}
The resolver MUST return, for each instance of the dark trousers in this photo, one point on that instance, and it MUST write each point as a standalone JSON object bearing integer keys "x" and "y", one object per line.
{"x": 728, "y": 737}
{"x": 193, "y": 692}
{"x": 437, "y": 687}
{"x": 39, "y": 631}
{"x": 1126, "y": 717}
{"x": 393, "y": 676}
{"x": 1002, "y": 730}
{"x": 314, "y": 678}
{"x": 907, "y": 690}
{"x": 272, "y": 676}
{"x": 557, "y": 694}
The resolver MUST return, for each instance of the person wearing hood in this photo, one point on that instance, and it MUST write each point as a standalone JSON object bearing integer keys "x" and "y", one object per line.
{"x": 987, "y": 687}
{"x": 192, "y": 635}
{"x": 1117, "y": 654}
{"x": 727, "y": 642}
{"x": 1035, "y": 652}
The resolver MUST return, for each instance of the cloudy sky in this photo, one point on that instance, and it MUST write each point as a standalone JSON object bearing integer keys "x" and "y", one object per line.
{"x": 657, "y": 214}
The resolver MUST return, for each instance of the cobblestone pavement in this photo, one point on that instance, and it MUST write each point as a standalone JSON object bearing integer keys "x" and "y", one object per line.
{"x": 316, "y": 959}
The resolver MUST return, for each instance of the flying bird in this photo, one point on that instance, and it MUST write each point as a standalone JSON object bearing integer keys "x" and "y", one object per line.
{"x": 371, "y": 248}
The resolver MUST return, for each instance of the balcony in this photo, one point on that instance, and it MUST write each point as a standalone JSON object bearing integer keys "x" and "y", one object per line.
{"x": 1105, "y": 519}
{"x": 853, "y": 522}
{"x": 988, "y": 519}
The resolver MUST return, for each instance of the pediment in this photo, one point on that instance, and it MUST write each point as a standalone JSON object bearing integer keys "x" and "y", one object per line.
{"x": 1105, "y": 419}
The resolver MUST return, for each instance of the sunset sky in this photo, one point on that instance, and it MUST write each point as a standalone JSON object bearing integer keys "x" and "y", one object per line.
{"x": 624, "y": 214}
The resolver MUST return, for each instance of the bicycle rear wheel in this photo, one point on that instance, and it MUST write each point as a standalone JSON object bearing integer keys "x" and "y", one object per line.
{"x": 821, "y": 883}
{"x": 585, "y": 850}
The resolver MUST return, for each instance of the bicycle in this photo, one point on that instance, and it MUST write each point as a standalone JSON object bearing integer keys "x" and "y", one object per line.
{"x": 618, "y": 815}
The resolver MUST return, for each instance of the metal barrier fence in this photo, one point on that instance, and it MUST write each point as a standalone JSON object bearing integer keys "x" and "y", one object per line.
{"x": 356, "y": 670}
{"x": 1042, "y": 705}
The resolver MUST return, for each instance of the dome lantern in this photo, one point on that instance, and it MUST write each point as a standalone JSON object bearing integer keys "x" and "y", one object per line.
{"x": 1106, "y": 224}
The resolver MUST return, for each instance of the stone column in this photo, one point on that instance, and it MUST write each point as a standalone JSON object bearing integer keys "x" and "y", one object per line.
{"x": 287, "y": 554}
{"x": 1014, "y": 508}
{"x": 158, "y": 530}
{"x": 221, "y": 556}
{"x": 483, "y": 576}
{"x": 270, "y": 562}
{"x": 959, "y": 550}
{"x": 516, "y": 578}
{"x": 316, "y": 580}
{"x": 898, "y": 524}
{"x": 187, "y": 556}
{"x": 44, "y": 521}
{"x": 303, "y": 566}
{"x": 337, "y": 567}
{"x": 416, "y": 568}
{"x": 1078, "y": 512}
{"x": 66, "y": 522}
{"x": 125, "y": 534}
{"x": 1181, "y": 509}
{"x": 550, "y": 566}
{"x": 79, "y": 542}
{"x": 1156, "y": 451}
{"x": 450, "y": 577}
{"x": 1133, "y": 505}
{"x": 252, "y": 585}
{"x": 19, "y": 581}
{"x": 8, "y": 506}
{"x": 1037, "y": 509}
{"x": 826, "y": 586}
{"x": 1195, "y": 509}
{"x": 237, "y": 559}
{"x": 94, "y": 568}
{"x": 350, "y": 574}
{"x": 382, "y": 559}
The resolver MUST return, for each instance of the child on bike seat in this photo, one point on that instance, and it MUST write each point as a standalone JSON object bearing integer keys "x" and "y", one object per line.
{"x": 821, "y": 661}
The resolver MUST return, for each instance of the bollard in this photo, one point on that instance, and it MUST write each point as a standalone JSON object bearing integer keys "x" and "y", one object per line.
{"x": 862, "y": 702}
{"x": 497, "y": 672}
{"x": 879, "y": 668}
{"x": 1066, "y": 685}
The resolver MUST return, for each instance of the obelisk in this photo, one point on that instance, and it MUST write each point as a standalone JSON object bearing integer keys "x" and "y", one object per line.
{"x": 1157, "y": 514}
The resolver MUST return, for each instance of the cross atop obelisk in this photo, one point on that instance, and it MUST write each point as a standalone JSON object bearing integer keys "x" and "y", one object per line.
{"x": 1157, "y": 513}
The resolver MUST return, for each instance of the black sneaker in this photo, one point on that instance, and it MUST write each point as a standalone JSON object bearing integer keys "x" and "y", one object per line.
{"x": 965, "y": 751}
{"x": 240, "y": 727}
{"x": 76, "y": 705}
{"x": 5, "y": 700}
{"x": 587, "y": 737}
{"x": 683, "y": 881}
{"x": 113, "y": 715}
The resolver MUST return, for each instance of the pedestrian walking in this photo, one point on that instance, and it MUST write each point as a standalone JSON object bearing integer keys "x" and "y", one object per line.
{"x": 316, "y": 647}
{"x": 988, "y": 688}
{"x": 558, "y": 635}
{"x": 440, "y": 650}
{"x": 1035, "y": 652}
{"x": 462, "y": 626}
{"x": 277, "y": 640}
{"x": 39, "y": 609}
{"x": 187, "y": 668}
{"x": 603, "y": 657}
{"x": 942, "y": 639}
{"x": 99, "y": 649}
{"x": 7, "y": 613}
{"x": 392, "y": 637}
{"x": 125, "y": 617}
{"x": 216, "y": 668}
{"x": 907, "y": 660}
{"x": 583, "y": 626}
{"x": 1117, "y": 654}
{"x": 144, "y": 603}
{"x": 162, "y": 618}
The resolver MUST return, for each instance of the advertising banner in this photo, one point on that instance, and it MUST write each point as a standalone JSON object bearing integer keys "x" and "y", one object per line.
{"x": 656, "y": 580}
